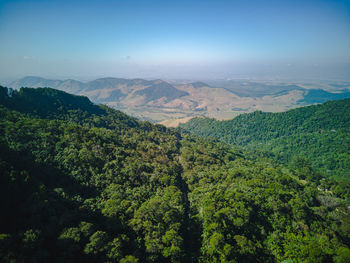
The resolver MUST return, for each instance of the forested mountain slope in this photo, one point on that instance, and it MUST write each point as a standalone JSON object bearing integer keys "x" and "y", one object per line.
{"x": 320, "y": 133}
{"x": 56, "y": 104}
{"x": 91, "y": 184}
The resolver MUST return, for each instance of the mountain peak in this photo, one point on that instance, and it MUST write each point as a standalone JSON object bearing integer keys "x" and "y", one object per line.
{"x": 199, "y": 84}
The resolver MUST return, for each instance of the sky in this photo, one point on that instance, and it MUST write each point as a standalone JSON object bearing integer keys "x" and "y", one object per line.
{"x": 175, "y": 39}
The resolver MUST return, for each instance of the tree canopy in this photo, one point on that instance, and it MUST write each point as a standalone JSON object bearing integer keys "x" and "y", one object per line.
{"x": 90, "y": 184}
{"x": 320, "y": 133}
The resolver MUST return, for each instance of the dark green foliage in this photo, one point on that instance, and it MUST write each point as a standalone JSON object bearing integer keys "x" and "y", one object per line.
{"x": 55, "y": 104}
{"x": 45, "y": 101}
{"x": 319, "y": 133}
{"x": 259, "y": 212}
{"x": 320, "y": 96}
{"x": 93, "y": 185}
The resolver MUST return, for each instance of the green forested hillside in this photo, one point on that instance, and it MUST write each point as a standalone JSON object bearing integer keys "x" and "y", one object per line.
{"x": 56, "y": 104}
{"x": 93, "y": 185}
{"x": 320, "y": 133}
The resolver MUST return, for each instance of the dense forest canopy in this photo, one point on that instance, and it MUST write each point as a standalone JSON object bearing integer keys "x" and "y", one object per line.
{"x": 86, "y": 183}
{"x": 319, "y": 133}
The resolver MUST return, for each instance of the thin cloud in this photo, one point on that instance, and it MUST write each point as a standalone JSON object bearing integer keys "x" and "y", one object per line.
{"x": 28, "y": 57}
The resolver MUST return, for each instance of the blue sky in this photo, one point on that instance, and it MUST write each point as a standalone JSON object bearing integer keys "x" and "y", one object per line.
{"x": 174, "y": 39}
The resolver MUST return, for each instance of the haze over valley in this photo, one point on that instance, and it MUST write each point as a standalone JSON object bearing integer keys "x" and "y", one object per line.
{"x": 173, "y": 102}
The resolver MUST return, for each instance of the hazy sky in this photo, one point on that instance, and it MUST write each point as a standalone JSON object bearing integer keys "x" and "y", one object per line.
{"x": 175, "y": 39}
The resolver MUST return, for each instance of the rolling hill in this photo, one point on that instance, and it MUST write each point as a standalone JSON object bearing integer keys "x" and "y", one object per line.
{"x": 158, "y": 100}
{"x": 318, "y": 132}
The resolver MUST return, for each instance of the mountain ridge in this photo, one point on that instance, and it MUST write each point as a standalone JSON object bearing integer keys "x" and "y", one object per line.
{"x": 310, "y": 131}
{"x": 157, "y": 100}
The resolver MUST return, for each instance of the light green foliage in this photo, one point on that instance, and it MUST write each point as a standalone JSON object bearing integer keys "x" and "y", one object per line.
{"x": 129, "y": 259}
{"x": 98, "y": 243}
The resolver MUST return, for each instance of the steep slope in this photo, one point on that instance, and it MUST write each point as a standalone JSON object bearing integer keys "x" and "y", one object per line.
{"x": 45, "y": 101}
{"x": 161, "y": 89}
{"x": 91, "y": 188}
{"x": 319, "y": 132}
{"x": 56, "y": 104}
{"x": 73, "y": 189}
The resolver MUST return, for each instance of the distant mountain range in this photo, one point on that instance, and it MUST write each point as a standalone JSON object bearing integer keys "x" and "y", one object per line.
{"x": 109, "y": 89}
{"x": 158, "y": 100}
